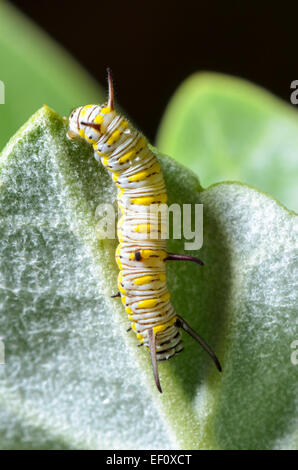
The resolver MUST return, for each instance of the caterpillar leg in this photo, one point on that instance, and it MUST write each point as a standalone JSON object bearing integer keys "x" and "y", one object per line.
{"x": 152, "y": 348}
{"x": 174, "y": 257}
{"x": 116, "y": 295}
{"x": 180, "y": 323}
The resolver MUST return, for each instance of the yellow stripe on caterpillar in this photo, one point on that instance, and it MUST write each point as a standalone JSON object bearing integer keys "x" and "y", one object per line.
{"x": 132, "y": 153}
{"x": 98, "y": 119}
{"x": 147, "y": 200}
{"x": 105, "y": 110}
{"x": 127, "y": 156}
{"x": 124, "y": 125}
{"x": 159, "y": 328}
{"x": 142, "y": 228}
{"x": 120, "y": 288}
{"x": 84, "y": 110}
{"x": 164, "y": 326}
{"x": 165, "y": 297}
{"x": 145, "y": 173}
{"x": 149, "y": 303}
{"x": 91, "y": 141}
{"x": 138, "y": 176}
{"x": 114, "y": 137}
{"x": 97, "y": 151}
{"x": 146, "y": 254}
{"x": 142, "y": 142}
{"x": 154, "y": 229}
{"x": 140, "y": 281}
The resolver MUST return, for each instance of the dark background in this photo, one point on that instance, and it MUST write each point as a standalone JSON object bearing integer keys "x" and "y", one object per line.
{"x": 152, "y": 47}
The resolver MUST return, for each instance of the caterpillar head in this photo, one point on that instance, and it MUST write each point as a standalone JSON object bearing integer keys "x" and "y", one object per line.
{"x": 91, "y": 121}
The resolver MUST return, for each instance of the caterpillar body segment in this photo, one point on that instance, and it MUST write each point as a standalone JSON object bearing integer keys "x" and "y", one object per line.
{"x": 141, "y": 253}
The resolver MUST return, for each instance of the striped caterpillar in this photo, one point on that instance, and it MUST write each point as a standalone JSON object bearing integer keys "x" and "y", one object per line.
{"x": 142, "y": 278}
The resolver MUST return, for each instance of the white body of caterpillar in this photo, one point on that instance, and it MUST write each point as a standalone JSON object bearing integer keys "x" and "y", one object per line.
{"x": 141, "y": 253}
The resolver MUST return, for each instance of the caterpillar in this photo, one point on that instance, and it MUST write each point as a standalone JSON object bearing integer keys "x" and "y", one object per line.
{"x": 137, "y": 174}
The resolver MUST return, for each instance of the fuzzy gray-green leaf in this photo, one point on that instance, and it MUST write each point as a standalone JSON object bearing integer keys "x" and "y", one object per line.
{"x": 74, "y": 378}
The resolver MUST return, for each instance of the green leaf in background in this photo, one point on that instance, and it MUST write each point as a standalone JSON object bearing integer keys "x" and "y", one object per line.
{"x": 224, "y": 128}
{"x": 35, "y": 71}
{"x": 74, "y": 378}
